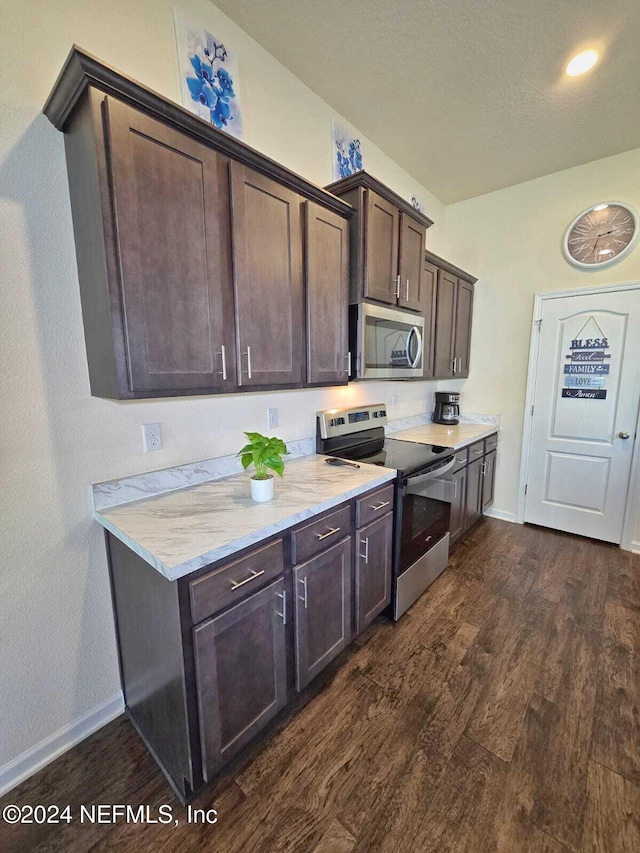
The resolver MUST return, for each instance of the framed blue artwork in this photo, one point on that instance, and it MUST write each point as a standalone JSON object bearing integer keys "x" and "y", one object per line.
{"x": 346, "y": 151}
{"x": 208, "y": 76}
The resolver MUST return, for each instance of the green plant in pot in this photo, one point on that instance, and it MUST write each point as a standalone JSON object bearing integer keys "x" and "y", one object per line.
{"x": 265, "y": 454}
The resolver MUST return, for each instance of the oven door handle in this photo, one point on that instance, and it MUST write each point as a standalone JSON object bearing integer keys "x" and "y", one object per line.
{"x": 414, "y": 331}
{"x": 431, "y": 475}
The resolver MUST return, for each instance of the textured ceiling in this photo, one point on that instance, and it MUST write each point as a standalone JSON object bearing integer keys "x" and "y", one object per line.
{"x": 467, "y": 96}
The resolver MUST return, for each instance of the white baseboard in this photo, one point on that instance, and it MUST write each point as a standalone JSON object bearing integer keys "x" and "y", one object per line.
{"x": 635, "y": 547}
{"x": 501, "y": 514}
{"x": 46, "y": 751}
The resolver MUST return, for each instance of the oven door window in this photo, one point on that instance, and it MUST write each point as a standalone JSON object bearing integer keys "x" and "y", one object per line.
{"x": 392, "y": 344}
{"x": 424, "y": 522}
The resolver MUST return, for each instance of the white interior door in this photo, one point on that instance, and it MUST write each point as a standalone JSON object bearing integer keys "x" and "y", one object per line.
{"x": 585, "y": 411}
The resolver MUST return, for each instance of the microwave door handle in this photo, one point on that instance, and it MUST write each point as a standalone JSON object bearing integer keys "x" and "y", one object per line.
{"x": 431, "y": 475}
{"x": 416, "y": 361}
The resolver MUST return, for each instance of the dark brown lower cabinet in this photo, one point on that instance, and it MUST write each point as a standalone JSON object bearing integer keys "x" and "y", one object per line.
{"x": 322, "y": 606}
{"x": 241, "y": 679}
{"x": 373, "y": 570}
{"x": 473, "y": 509}
{"x": 458, "y": 505}
{"x": 489, "y": 479}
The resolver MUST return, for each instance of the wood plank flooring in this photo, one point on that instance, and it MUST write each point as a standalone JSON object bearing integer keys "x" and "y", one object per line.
{"x": 501, "y": 714}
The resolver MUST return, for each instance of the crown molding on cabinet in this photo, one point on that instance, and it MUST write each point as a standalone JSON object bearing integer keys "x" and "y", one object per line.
{"x": 364, "y": 179}
{"x": 439, "y": 262}
{"x": 82, "y": 70}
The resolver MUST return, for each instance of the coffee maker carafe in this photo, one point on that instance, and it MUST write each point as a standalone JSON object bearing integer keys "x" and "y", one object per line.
{"x": 447, "y": 408}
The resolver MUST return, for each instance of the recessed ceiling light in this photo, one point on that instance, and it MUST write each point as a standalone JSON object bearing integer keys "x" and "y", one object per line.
{"x": 582, "y": 62}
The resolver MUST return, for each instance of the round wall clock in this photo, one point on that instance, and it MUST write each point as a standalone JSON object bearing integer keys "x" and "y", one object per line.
{"x": 601, "y": 235}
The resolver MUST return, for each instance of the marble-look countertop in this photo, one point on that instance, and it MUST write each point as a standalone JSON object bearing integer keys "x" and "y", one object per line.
{"x": 455, "y": 437}
{"x": 185, "y": 529}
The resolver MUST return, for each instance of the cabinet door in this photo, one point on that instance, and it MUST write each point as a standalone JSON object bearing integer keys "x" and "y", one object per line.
{"x": 373, "y": 570}
{"x": 464, "y": 316}
{"x": 327, "y": 295}
{"x": 322, "y": 594}
{"x": 428, "y": 293}
{"x": 458, "y": 505}
{"x": 381, "y": 236}
{"x": 412, "y": 235}
{"x": 489, "y": 479}
{"x": 475, "y": 481}
{"x": 267, "y": 261}
{"x": 240, "y": 674}
{"x": 445, "y": 324}
{"x": 171, "y": 213}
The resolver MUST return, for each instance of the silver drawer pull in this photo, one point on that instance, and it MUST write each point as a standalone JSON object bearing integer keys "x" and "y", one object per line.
{"x": 376, "y": 507}
{"x": 223, "y": 353}
{"x": 254, "y": 575}
{"x": 478, "y": 452}
{"x": 332, "y": 530}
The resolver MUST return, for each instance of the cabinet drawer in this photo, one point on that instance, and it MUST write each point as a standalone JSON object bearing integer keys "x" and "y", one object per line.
{"x": 234, "y": 581}
{"x": 374, "y": 505}
{"x": 320, "y": 534}
{"x": 491, "y": 443}
{"x": 476, "y": 451}
{"x": 462, "y": 457}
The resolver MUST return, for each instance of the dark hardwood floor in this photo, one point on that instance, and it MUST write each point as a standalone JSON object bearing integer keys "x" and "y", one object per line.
{"x": 501, "y": 714}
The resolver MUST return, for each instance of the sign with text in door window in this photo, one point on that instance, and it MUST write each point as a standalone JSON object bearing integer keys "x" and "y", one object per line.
{"x": 587, "y": 368}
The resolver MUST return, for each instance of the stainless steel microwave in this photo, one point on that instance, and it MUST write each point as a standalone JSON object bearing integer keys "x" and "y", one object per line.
{"x": 388, "y": 343}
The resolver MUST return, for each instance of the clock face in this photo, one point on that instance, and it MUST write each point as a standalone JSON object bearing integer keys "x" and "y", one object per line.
{"x": 600, "y": 235}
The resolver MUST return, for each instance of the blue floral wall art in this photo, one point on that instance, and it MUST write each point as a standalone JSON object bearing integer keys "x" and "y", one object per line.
{"x": 208, "y": 76}
{"x": 346, "y": 148}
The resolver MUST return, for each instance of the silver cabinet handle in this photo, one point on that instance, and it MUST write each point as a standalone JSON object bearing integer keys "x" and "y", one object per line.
{"x": 303, "y": 598}
{"x": 332, "y": 530}
{"x": 455, "y": 360}
{"x": 623, "y": 434}
{"x": 407, "y": 296}
{"x": 398, "y": 286}
{"x": 484, "y": 469}
{"x": 376, "y": 507}
{"x": 283, "y": 615}
{"x": 478, "y": 452}
{"x": 249, "y": 362}
{"x": 348, "y": 359}
{"x": 224, "y": 364}
{"x": 254, "y": 575}
{"x": 459, "y": 364}
{"x": 365, "y": 556}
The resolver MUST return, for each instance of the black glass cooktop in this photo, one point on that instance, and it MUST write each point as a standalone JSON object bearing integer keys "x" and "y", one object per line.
{"x": 405, "y": 456}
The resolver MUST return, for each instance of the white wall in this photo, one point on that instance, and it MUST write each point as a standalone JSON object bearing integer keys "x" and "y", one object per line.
{"x": 57, "y": 648}
{"x": 511, "y": 239}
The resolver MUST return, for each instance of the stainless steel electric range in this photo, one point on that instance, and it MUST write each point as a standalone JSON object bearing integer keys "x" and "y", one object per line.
{"x": 423, "y": 493}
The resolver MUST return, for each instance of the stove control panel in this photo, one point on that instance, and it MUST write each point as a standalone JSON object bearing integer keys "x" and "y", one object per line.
{"x": 335, "y": 422}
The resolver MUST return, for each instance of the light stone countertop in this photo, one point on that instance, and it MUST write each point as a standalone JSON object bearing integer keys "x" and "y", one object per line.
{"x": 455, "y": 437}
{"x": 185, "y": 529}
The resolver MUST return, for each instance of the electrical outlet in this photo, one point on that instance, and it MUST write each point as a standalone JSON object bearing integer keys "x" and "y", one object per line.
{"x": 151, "y": 437}
{"x": 394, "y": 401}
{"x": 272, "y": 418}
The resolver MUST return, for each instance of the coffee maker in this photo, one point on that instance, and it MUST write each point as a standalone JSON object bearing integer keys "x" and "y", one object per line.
{"x": 447, "y": 408}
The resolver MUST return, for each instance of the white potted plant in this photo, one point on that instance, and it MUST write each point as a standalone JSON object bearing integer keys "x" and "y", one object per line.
{"x": 265, "y": 454}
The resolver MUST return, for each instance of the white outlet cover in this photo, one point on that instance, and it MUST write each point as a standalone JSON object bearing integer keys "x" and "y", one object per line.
{"x": 151, "y": 437}
{"x": 272, "y": 418}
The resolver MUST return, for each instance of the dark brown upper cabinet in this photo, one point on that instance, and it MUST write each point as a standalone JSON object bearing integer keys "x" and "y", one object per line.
{"x": 170, "y": 204}
{"x": 386, "y": 243}
{"x": 327, "y": 295}
{"x": 267, "y": 264}
{"x": 428, "y": 293}
{"x": 189, "y": 245}
{"x": 453, "y": 317}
